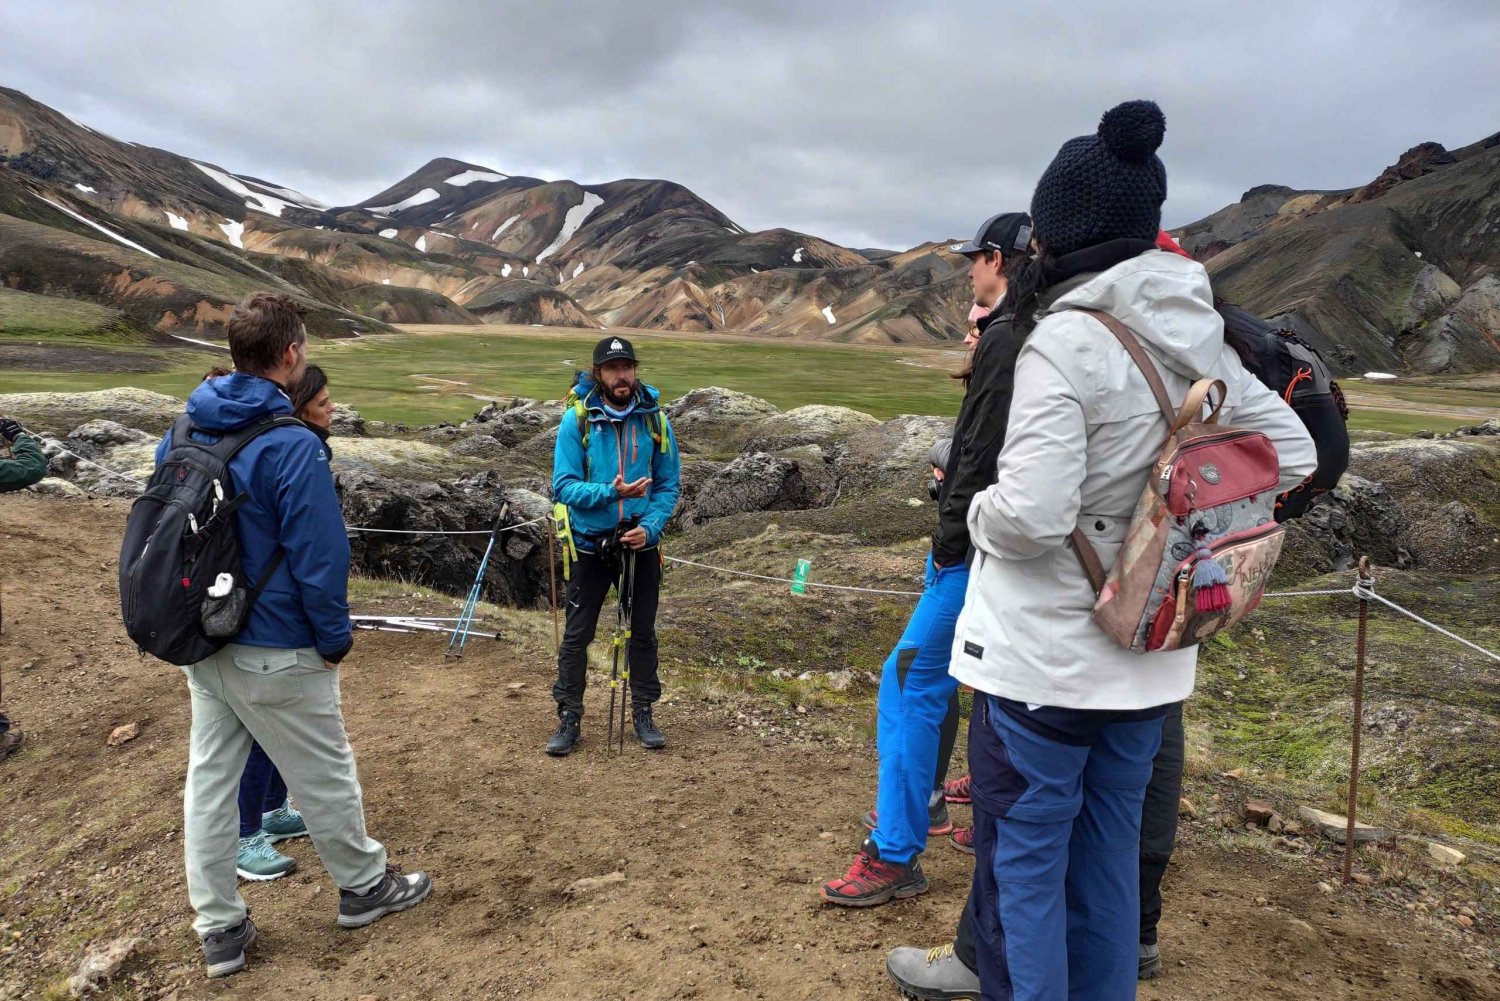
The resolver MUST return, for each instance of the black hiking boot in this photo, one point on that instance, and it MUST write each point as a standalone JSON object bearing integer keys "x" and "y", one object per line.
{"x": 1150, "y": 964}
{"x": 566, "y": 737}
{"x": 395, "y": 892}
{"x": 646, "y": 732}
{"x": 224, "y": 951}
{"x": 10, "y": 742}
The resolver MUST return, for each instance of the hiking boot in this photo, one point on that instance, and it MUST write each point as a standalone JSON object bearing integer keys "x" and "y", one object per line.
{"x": 931, "y": 974}
{"x": 566, "y": 737}
{"x": 282, "y": 823}
{"x": 869, "y": 881}
{"x": 259, "y": 862}
{"x": 962, "y": 838}
{"x": 1150, "y": 965}
{"x": 957, "y": 790}
{"x": 938, "y": 822}
{"x": 224, "y": 951}
{"x": 395, "y": 892}
{"x": 646, "y": 732}
{"x": 10, "y": 742}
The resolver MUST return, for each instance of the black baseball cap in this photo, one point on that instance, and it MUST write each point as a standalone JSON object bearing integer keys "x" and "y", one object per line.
{"x": 613, "y": 349}
{"x": 1008, "y": 232}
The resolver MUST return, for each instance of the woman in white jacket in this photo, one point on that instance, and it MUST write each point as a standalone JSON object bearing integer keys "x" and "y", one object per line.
{"x": 1064, "y": 732}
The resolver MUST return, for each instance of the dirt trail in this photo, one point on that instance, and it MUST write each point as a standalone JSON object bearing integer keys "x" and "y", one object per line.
{"x": 718, "y": 837}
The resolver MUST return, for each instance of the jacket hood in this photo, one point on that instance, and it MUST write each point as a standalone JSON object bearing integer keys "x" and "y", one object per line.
{"x": 1166, "y": 300}
{"x": 232, "y": 401}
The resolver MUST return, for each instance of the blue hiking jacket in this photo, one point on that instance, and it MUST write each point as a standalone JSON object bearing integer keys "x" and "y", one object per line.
{"x": 616, "y": 448}
{"x": 292, "y": 504}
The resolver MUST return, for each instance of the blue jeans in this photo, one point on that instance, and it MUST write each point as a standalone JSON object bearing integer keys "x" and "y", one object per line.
{"x": 1057, "y": 797}
{"x": 261, "y": 790}
{"x": 915, "y": 688}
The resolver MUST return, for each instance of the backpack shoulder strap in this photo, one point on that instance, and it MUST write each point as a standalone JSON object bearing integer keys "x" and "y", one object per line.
{"x": 1132, "y": 346}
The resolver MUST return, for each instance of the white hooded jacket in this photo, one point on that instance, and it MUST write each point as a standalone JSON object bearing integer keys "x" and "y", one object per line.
{"x": 1084, "y": 432}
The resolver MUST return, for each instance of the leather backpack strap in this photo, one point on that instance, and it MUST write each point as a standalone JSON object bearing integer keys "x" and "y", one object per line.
{"x": 1192, "y": 406}
{"x": 1088, "y": 558}
{"x": 1142, "y": 360}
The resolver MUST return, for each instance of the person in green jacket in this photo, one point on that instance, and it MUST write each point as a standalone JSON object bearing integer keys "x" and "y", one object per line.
{"x": 25, "y": 465}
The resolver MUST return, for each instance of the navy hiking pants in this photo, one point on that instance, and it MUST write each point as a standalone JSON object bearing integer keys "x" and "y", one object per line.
{"x": 1057, "y": 796}
{"x": 915, "y": 692}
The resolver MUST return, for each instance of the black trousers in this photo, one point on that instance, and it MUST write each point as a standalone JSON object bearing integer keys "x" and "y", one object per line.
{"x": 593, "y": 578}
{"x": 1158, "y": 837}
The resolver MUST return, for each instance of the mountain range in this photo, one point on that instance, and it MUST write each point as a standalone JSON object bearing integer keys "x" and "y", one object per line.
{"x": 1397, "y": 274}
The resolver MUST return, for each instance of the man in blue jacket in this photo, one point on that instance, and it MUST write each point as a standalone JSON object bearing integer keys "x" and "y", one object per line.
{"x": 278, "y": 681}
{"x": 616, "y": 469}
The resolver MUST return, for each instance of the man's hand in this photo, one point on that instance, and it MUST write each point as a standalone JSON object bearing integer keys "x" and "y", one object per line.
{"x": 330, "y": 666}
{"x": 636, "y": 488}
{"x": 635, "y": 538}
{"x": 9, "y": 429}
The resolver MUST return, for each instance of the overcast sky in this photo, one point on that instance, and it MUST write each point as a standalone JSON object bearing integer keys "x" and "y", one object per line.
{"x": 867, "y": 123}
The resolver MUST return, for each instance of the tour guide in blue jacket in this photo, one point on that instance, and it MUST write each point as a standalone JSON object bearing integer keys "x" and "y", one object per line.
{"x": 616, "y": 469}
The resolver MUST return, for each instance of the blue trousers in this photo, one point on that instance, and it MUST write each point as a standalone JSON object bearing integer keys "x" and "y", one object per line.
{"x": 261, "y": 790}
{"x": 1057, "y": 797}
{"x": 915, "y": 688}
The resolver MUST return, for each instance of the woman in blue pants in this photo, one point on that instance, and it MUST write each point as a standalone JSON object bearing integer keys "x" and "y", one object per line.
{"x": 916, "y": 690}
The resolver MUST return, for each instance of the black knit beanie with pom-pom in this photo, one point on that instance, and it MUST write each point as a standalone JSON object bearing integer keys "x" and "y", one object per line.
{"x": 1106, "y": 186}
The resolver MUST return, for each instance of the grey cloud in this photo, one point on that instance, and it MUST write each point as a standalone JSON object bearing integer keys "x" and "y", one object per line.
{"x": 864, "y": 123}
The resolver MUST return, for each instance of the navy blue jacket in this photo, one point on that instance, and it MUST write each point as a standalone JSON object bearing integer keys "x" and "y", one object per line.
{"x": 291, "y": 503}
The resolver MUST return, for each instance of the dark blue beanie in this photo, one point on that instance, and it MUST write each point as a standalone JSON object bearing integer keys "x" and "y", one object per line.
{"x": 1107, "y": 186}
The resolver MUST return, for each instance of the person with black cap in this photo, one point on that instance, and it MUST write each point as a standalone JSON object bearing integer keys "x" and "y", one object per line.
{"x": 1066, "y": 722}
{"x": 917, "y": 694}
{"x": 616, "y": 469}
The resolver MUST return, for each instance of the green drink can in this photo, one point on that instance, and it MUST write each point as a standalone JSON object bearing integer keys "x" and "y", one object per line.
{"x": 799, "y": 579}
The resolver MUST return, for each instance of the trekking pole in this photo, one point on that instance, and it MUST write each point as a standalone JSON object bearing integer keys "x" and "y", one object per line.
{"x": 1364, "y": 586}
{"x": 460, "y": 636}
{"x": 552, "y": 593}
{"x": 614, "y": 666}
{"x": 627, "y": 580}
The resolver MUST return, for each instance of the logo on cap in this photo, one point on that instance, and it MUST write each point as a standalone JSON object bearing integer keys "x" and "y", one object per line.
{"x": 615, "y": 345}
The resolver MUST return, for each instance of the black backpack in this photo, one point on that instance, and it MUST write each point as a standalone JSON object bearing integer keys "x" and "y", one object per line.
{"x": 180, "y": 539}
{"x": 1294, "y": 370}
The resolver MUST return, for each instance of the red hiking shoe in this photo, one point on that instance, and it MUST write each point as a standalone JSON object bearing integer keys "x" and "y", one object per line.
{"x": 938, "y": 822}
{"x": 870, "y": 881}
{"x": 957, "y": 790}
{"x": 962, "y": 838}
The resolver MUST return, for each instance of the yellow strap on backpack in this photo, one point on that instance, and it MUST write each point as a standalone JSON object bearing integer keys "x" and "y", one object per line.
{"x": 564, "y": 530}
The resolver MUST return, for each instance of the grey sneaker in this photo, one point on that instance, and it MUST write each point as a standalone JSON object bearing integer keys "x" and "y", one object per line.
{"x": 256, "y": 860}
{"x": 932, "y": 974}
{"x": 224, "y": 951}
{"x": 1150, "y": 966}
{"x": 395, "y": 892}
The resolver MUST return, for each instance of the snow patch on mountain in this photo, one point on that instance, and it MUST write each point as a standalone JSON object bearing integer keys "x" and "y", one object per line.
{"x": 420, "y": 198}
{"x": 269, "y": 204}
{"x": 89, "y": 222}
{"x": 797, "y": 257}
{"x": 470, "y": 176}
{"x": 578, "y": 270}
{"x": 85, "y": 187}
{"x": 235, "y": 231}
{"x": 505, "y": 271}
{"x": 177, "y": 221}
{"x": 574, "y": 219}
{"x": 389, "y": 234}
{"x": 505, "y": 226}
{"x": 828, "y": 315}
{"x": 422, "y": 243}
